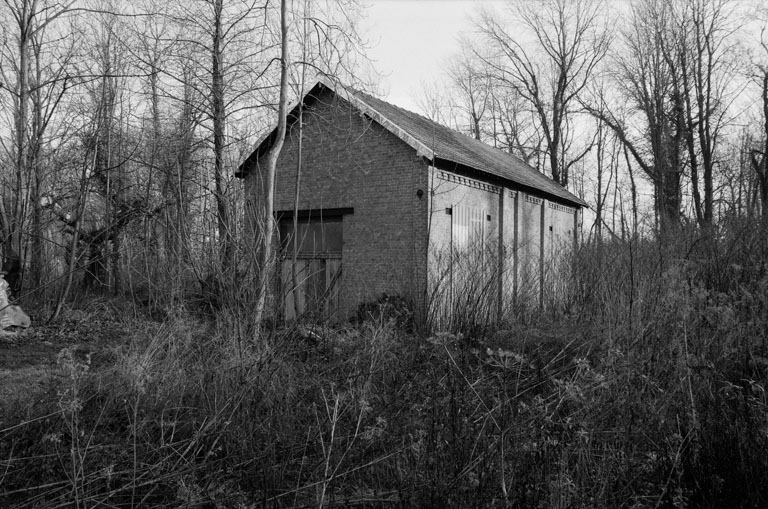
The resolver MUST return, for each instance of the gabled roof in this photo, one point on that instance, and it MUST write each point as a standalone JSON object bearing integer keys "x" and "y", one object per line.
{"x": 437, "y": 143}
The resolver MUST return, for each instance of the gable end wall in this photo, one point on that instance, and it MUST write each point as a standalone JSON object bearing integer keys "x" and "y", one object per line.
{"x": 349, "y": 161}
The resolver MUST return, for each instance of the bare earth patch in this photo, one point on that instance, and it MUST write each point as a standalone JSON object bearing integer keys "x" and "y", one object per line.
{"x": 28, "y": 356}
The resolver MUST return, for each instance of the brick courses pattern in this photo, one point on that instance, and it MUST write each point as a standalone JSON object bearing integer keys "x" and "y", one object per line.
{"x": 350, "y": 161}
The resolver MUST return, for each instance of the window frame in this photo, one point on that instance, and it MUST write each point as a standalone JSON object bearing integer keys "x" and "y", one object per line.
{"x": 308, "y": 217}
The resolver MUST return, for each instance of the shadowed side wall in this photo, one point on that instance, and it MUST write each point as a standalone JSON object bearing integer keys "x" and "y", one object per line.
{"x": 349, "y": 161}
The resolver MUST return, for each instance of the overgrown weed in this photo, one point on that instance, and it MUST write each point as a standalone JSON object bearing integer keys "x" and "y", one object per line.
{"x": 650, "y": 391}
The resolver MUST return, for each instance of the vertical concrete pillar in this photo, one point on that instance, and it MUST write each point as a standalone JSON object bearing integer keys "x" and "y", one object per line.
{"x": 424, "y": 240}
{"x": 517, "y": 214}
{"x": 542, "y": 240}
{"x": 501, "y": 258}
{"x": 451, "y": 260}
{"x": 576, "y": 227}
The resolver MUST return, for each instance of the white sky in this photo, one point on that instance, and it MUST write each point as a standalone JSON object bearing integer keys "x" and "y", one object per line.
{"x": 412, "y": 39}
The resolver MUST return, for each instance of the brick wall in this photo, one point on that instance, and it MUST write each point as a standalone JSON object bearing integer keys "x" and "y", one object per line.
{"x": 350, "y": 162}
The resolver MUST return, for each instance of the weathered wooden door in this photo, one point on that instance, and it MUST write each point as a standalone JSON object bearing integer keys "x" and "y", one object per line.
{"x": 314, "y": 292}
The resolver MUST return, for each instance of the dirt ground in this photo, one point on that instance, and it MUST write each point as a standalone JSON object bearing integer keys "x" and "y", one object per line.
{"x": 28, "y": 356}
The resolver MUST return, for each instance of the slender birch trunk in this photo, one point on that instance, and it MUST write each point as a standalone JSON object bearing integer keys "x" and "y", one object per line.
{"x": 266, "y": 262}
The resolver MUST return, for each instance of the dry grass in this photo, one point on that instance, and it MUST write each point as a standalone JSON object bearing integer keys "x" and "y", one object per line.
{"x": 649, "y": 392}
{"x": 22, "y": 385}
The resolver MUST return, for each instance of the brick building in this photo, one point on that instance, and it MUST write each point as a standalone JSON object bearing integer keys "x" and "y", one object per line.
{"x": 393, "y": 203}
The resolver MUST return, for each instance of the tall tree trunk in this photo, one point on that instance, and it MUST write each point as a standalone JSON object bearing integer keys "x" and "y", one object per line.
{"x": 761, "y": 166}
{"x": 600, "y": 200}
{"x": 633, "y": 188}
{"x": 72, "y": 262}
{"x": 266, "y": 262}
{"x": 296, "y": 196}
{"x": 36, "y": 258}
{"x": 184, "y": 166}
{"x": 294, "y": 261}
{"x": 219, "y": 118}
{"x": 687, "y": 126}
{"x": 670, "y": 192}
{"x": 25, "y": 13}
{"x": 34, "y": 165}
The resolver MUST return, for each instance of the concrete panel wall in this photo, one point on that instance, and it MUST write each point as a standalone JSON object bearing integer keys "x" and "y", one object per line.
{"x": 527, "y": 241}
{"x": 559, "y": 247}
{"x": 529, "y": 249}
{"x": 462, "y": 276}
{"x": 449, "y": 190}
{"x": 511, "y": 214}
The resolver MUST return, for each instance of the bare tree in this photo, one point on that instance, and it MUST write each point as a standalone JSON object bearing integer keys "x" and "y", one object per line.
{"x": 113, "y": 186}
{"x": 50, "y": 81}
{"x": 702, "y": 56}
{"x": 332, "y": 59}
{"x": 512, "y": 127}
{"x": 758, "y": 153}
{"x": 568, "y": 39}
{"x": 435, "y": 103}
{"x": 649, "y": 118}
{"x": 265, "y": 259}
{"x": 472, "y": 85}
{"x": 181, "y": 163}
{"x": 474, "y": 103}
{"x": 218, "y": 116}
{"x": 226, "y": 43}
{"x": 37, "y": 84}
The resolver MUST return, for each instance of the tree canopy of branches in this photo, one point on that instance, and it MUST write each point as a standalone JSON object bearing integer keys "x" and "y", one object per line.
{"x": 127, "y": 122}
{"x": 668, "y": 80}
{"x": 549, "y": 62}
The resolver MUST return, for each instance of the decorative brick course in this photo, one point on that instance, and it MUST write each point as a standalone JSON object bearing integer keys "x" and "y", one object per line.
{"x": 458, "y": 179}
{"x": 534, "y": 200}
{"x": 562, "y": 208}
